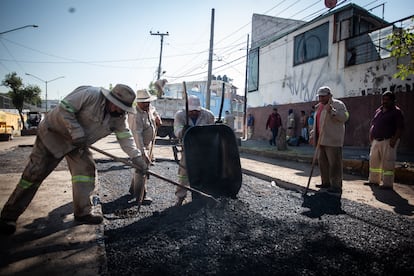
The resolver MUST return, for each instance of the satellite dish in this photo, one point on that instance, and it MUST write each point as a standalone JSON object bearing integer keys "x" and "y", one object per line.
{"x": 330, "y": 4}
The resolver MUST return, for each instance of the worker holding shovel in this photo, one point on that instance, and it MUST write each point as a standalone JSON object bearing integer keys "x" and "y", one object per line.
{"x": 328, "y": 137}
{"x": 143, "y": 125}
{"x": 82, "y": 118}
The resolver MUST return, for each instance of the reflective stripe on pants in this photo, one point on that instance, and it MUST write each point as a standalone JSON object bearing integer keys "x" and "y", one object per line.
{"x": 382, "y": 162}
{"x": 82, "y": 168}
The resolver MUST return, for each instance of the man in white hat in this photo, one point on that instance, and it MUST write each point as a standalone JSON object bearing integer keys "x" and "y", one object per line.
{"x": 143, "y": 124}
{"x": 82, "y": 118}
{"x": 197, "y": 116}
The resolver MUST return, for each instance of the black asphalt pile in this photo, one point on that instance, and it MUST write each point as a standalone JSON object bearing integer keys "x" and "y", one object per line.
{"x": 267, "y": 230}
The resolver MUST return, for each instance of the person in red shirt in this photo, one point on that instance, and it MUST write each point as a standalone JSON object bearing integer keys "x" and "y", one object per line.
{"x": 274, "y": 121}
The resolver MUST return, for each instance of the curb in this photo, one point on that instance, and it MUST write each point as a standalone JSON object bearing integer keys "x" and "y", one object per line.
{"x": 403, "y": 175}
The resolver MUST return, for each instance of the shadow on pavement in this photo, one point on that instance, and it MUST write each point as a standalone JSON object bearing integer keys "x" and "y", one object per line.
{"x": 126, "y": 201}
{"x": 20, "y": 246}
{"x": 392, "y": 198}
{"x": 320, "y": 204}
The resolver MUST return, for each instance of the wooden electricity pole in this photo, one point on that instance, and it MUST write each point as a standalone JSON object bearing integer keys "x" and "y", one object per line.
{"x": 162, "y": 42}
{"x": 210, "y": 61}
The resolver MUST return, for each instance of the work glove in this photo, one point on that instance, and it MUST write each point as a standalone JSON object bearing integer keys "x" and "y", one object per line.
{"x": 141, "y": 164}
{"x": 79, "y": 142}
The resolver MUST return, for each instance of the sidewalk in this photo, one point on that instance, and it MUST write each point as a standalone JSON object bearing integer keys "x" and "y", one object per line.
{"x": 47, "y": 239}
{"x": 355, "y": 160}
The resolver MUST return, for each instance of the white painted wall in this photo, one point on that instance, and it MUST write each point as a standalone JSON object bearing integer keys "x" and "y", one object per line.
{"x": 282, "y": 83}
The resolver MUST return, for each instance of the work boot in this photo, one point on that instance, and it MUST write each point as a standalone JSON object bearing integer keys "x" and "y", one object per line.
{"x": 7, "y": 227}
{"x": 89, "y": 219}
{"x": 146, "y": 201}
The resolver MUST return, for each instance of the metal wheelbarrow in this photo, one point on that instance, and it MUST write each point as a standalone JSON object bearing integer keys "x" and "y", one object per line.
{"x": 212, "y": 160}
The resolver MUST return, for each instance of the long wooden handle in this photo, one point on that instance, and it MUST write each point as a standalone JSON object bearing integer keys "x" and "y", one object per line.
{"x": 126, "y": 162}
{"x": 315, "y": 155}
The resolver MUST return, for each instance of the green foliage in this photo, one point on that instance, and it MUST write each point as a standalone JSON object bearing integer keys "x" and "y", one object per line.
{"x": 402, "y": 45}
{"x": 151, "y": 89}
{"x": 19, "y": 94}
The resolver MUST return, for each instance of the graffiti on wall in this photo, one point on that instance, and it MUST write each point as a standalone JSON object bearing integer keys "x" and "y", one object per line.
{"x": 305, "y": 81}
{"x": 302, "y": 86}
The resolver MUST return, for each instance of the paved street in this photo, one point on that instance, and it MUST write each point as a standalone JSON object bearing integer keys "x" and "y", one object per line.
{"x": 48, "y": 239}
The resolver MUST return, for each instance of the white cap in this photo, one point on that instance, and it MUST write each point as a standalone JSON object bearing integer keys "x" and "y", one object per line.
{"x": 193, "y": 103}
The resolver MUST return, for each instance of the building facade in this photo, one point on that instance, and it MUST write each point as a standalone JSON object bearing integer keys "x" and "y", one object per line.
{"x": 345, "y": 49}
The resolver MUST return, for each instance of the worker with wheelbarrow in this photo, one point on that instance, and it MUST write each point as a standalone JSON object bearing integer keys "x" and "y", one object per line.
{"x": 184, "y": 119}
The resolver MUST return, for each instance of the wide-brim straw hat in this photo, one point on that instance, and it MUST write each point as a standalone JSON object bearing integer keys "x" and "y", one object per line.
{"x": 122, "y": 96}
{"x": 144, "y": 96}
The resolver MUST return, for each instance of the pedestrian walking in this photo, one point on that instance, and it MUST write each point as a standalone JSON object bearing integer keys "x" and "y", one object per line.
{"x": 384, "y": 134}
{"x": 197, "y": 116}
{"x": 82, "y": 118}
{"x": 290, "y": 125}
{"x": 311, "y": 120}
{"x": 274, "y": 121}
{"x": 143, "y": 125}
{"x": 328, "y": 137}
{"x": 304, "y": 126}
{"x": 250, "y": 126}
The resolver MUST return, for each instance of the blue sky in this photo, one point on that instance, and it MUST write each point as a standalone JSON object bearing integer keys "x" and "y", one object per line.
{"x": 103, "y": 42}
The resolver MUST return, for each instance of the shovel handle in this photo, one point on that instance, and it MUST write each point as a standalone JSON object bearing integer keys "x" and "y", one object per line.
{"x": 126, "y": 162}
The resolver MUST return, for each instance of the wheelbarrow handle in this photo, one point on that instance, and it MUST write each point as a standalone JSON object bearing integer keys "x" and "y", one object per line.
{"x": 126, "y": 162}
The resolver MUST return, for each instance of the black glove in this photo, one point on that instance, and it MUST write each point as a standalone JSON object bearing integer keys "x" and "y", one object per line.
{"x": 140, "y": 163}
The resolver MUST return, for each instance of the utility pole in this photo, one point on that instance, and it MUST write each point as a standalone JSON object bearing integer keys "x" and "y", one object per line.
{"x": 162, "y": 41}
{"x": 245, "y": 91}
{"x": 210, "y": 61}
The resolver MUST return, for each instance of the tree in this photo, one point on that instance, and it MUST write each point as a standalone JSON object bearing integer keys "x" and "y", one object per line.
{"x": 20, "y": 94}
{"x": 402, "y": 45}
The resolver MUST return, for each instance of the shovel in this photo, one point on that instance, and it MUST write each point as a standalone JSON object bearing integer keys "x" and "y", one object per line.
{"x": 315, "y": 155}
{"x": 126, "y": 162}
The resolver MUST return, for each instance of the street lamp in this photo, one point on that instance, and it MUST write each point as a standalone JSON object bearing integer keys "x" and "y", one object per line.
{"x": 27, "y": 26}
{"x": 46, "y": 82}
